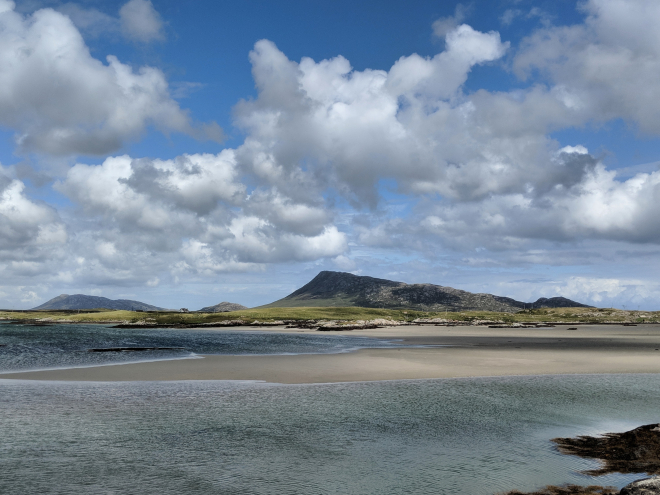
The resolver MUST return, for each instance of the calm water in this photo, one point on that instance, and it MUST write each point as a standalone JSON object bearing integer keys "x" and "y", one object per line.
{"x": 458, "y": 436}
{"x": 29, "y": 347}
{"x": 472, "y": 436}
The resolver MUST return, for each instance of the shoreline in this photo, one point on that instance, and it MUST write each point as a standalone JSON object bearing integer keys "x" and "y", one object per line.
{"x": 466, "y": 352}
{"x": 318, "y": 325}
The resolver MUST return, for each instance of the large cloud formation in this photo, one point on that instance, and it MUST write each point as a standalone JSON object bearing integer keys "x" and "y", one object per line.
{"x": 62, "y": 101}
{"x": 479, "y": 169}
{"x": 194, "y": 212}
{"x": 359, "y": 127}
{"x": 486, "y": 157}
{"x": 30, "y": 232}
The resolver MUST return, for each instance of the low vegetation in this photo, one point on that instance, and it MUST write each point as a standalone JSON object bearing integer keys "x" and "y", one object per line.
{"x": 347, "y": 314}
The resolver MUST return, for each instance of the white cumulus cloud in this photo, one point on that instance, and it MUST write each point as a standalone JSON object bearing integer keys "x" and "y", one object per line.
{"x": 30, "y": 232}
{"x": 140, "y": 21}
{"x": 60, "y": 100}
{"x": 607, "y": 66}
{"x": 195, "y": 214}
{"x": 476, "y": 173}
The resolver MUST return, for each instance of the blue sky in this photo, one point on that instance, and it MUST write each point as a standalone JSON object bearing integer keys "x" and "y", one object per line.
{"x": 185, "y": 154}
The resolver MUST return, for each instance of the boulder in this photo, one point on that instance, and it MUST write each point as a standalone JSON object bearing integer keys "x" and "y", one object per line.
{"x": 646, "y": 486}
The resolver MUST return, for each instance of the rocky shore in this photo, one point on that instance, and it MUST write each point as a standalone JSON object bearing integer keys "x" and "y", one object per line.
{"x": 635, "y": 451}
{"x": 646, "y": 486}
{"x": 344, "y": 325}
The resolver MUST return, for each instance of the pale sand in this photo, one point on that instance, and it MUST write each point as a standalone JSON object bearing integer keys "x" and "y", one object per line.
{"x": 474, "y": 351}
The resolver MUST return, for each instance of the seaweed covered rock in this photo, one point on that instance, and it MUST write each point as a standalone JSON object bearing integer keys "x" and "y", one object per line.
{"x": 634, "y": 451}
{"x": 647, "y": 486}
{"x": 570, "y": 490}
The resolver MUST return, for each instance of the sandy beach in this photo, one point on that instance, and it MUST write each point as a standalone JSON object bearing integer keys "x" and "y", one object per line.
{"x": 454, "y": 352}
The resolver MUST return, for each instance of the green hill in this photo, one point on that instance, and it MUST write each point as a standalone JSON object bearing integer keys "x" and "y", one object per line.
{"x": 338, "y": 289}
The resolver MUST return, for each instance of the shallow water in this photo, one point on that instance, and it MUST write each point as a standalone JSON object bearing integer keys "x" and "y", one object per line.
{"x": 467, "y": 436}
{"x": 29, "y": 347}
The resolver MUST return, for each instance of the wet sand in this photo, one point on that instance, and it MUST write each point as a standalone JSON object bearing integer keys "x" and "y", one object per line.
{"x": 467, "y": 352}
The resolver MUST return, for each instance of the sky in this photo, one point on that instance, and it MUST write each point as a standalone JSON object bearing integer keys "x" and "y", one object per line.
{"x": 188, "y": 153}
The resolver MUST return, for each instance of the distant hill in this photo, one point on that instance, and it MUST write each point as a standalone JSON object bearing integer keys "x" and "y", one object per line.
{"x": 345, "y": 289}
{"x": 222, "y": 307}
{"x": 81, "y": 301}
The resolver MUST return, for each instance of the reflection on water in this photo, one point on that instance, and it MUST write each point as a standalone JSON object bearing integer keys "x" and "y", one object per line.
{"x": 467, "y": 436}
{"x": 29, "y": 347}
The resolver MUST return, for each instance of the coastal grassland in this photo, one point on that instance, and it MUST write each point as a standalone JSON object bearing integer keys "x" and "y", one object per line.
{"x": 347, "y": 314}
{"x": 248, "y": 315}
{"x": 549, "y": 315}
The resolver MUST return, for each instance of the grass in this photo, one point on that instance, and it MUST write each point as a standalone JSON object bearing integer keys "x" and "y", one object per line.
{"x": 554, "y": 315}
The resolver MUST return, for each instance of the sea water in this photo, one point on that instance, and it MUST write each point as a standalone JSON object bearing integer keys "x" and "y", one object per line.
{"x": 29, "y": 347}
{"x": 453, "y": 436}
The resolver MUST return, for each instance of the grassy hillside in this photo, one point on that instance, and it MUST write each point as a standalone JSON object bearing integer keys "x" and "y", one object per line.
{"x": 301, "y": 302}
{"x": 554, "y": 315}
{"x": 340, "y": 289}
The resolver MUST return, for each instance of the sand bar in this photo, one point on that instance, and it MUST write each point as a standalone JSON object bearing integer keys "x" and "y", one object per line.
{"x": 471, "y": 351}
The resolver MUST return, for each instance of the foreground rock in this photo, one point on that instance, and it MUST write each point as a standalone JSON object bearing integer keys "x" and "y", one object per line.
{"x": 647, "y": 486}
{"x": 570, "y": 490}
{"x": 134, "y": 349}
{"x": 218, "y": 324}
{"x": 635, "y": 451}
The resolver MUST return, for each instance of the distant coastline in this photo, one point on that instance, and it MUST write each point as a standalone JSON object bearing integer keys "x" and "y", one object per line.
{"x": 327, "y": 318}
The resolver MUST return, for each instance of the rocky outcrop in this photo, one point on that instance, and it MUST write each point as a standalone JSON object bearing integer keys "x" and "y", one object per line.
{"x": 647, "y": 486}
{"x": 569, "y": 490}
{"x": 342, "y": 325}
{"x": 134, "y": 349}
{"x": 634, "y": 451}
{"x": 345, "y": 289}
{"x": 223, "y": 307}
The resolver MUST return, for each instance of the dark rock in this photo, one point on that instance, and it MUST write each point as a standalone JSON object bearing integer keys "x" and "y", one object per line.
{"x": 635, "y": 451}
{"x": 569, "y": 490}
{"x": 31, "y": 323}
{"x": 134, "y": 349}
{"x": 215, "y": 324}
{"x": 646, "y": 486}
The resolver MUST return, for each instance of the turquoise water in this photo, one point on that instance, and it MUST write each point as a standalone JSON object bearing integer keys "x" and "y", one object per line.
{"x": 29, "y": 347}
{"x": 457, "y": 436}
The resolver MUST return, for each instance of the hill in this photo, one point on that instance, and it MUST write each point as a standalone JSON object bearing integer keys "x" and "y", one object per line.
{"x": 81, "y": 301}
{"x": 345, "y": 289}
{"x": 223, "y": 307}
